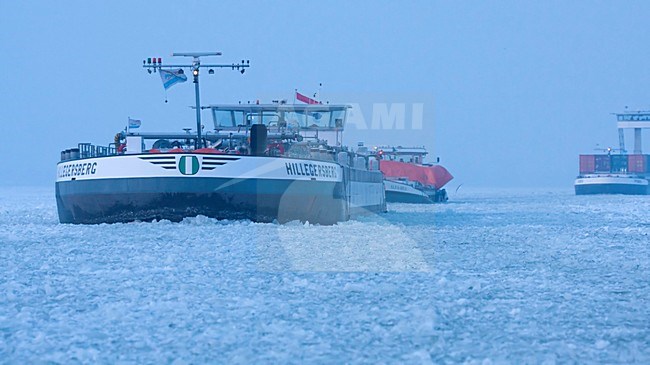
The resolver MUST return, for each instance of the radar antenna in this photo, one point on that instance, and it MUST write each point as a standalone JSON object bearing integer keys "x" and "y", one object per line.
{"x": 609, "y": 150}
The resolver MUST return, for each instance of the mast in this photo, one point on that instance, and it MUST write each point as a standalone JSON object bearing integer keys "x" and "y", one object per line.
{"x": 194, "y": 67}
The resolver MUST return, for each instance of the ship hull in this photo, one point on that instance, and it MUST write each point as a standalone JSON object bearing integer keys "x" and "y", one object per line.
{"x": 400, "y": 197}
{"x": 401, "y": 192}
{"x": 611, "y": 185}
{"x": 174, "y": 198}
{"x": 172, "y": 187}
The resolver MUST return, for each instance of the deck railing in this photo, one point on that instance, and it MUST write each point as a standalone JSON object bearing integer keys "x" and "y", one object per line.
{"x": 87, "y": 150}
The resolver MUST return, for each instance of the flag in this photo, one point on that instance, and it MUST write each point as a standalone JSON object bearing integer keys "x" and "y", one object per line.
{"x": 172, "y": 77}
{"x": 134, "y": 123}
{"x": 305, "y": 99}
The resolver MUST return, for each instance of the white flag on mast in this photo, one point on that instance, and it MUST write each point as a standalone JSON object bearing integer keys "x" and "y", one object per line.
{"x": 172, "y": 77}
{"x": 134, "y": 123}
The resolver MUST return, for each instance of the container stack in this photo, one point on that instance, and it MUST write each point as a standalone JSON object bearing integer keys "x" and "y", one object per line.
{"x": 617, "y": 164}
{"x": 587, "y": 164}
{"x": 639, "y": 163}
{"x": 603, "y": 163}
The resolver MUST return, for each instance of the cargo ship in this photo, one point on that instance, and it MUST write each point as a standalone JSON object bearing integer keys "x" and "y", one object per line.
{"x": 408, "y": 179}
{"x": 263, "y": 162}
{"x": 616, "y": 171}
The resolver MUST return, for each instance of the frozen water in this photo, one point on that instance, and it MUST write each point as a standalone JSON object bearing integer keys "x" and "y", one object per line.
{"x": 491, "y": 277}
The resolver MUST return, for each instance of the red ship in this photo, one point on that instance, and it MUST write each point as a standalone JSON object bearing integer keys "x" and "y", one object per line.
{"x": 408, "y": 179}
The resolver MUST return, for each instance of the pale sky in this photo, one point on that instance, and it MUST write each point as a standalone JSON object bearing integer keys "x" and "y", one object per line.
{"x": 512, "y": 91}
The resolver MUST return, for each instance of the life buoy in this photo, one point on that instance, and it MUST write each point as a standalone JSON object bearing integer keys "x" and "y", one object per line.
{"x": 121, "y": 148}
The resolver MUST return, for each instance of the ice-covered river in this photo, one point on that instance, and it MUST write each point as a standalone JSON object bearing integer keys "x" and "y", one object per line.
{"x": 494, "y": 276}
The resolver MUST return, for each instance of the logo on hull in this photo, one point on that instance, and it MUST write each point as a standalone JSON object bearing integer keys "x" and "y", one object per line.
{"x": 188, "y": 165}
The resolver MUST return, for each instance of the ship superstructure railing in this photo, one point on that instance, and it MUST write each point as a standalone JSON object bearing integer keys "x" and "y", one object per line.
{"x": 88, "y": 150}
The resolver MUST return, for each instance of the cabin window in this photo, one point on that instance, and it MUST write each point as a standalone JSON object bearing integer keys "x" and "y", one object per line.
{"x": 223, "y": 118}
{"x": 270, "y": 119}
{"x": 309, "y": 118}
{"x": 337, "y": 119}
{"x": 239, "y": 118}
{"x": 318, "y": 119}
{"x": 227, "y": 118}
{"x": 295, "y": 120}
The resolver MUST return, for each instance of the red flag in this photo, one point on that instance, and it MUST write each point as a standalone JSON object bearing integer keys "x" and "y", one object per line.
{"x": 305, "y": 99}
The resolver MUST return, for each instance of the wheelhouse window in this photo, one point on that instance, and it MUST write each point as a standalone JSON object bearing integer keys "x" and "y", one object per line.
{"x": 338, "y": 118}
{"x": 299, "y": 118}
{"x": 227, "y": 118}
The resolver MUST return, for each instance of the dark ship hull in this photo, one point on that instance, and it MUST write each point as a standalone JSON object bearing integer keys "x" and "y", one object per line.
{"x": 263, "y": 189}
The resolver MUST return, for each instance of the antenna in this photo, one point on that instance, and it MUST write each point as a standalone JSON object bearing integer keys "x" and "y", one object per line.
{"x": 609, "y": 150}
{"x": 155, "y": 63}
{"x": 195, "y": 54}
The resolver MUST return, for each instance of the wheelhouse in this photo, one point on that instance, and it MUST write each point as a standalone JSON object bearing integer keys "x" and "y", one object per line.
{"x": 324, "y": 122}
{"x": 414, "y": 155}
